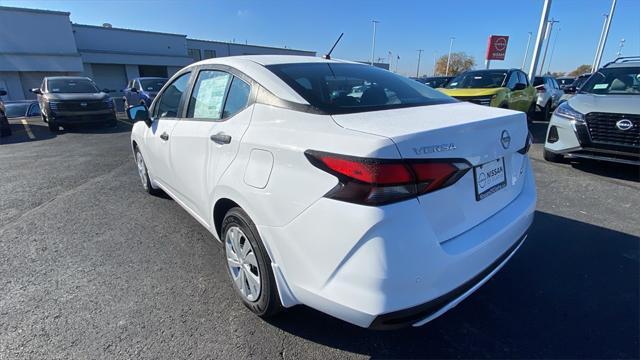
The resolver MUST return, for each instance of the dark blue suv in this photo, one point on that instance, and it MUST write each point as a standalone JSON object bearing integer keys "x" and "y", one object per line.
{"x": 142, "y": 90}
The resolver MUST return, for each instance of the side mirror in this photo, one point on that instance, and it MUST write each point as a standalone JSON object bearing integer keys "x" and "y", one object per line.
{"x": 36, "y": 91}
{"x": 519, "y": 86}
{"x": 139, "y": 113}
{"x": 3, "y": 93}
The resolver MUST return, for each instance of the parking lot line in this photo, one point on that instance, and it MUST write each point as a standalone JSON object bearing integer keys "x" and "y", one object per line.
{"x": 27, "y": 128}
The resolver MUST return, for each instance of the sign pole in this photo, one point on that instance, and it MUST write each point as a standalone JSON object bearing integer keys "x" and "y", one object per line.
{"x": 487, "y": 63}
{"x": 542, "y": 27}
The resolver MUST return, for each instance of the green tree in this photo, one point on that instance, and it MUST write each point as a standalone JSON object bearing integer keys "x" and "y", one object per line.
{"x": 582, "y": 69}
{"x": 459, "y": 63}
{"x": 557, "y": 74}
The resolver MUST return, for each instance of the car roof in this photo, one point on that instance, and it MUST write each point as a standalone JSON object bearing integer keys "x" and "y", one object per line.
{"x": 67, "y": 78}
{"x": 151, "y": 78}
{"x": 254, "y": 67}
{"x": 624, "y": 64}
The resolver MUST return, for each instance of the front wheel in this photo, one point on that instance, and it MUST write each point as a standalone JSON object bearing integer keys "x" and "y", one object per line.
{"x": 144, "y": 174}
{"x": 248, "y": 264}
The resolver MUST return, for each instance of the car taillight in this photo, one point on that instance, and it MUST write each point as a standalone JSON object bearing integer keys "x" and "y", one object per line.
{"x": 527, "y": 144}
{"x": 382, "y": 181}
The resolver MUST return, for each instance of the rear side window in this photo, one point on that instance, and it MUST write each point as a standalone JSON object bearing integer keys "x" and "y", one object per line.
{"x": 237, "y": 98}
{"x": 207, "y": 97}
{"x": 169, "y": 103}
{"x": 338, "y": 88}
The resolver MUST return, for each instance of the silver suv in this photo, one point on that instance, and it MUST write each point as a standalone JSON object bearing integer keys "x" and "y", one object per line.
{"x": 602, "y": 121}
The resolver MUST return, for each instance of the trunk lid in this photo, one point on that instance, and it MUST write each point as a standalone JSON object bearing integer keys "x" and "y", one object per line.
{"x": 454, "y": 131}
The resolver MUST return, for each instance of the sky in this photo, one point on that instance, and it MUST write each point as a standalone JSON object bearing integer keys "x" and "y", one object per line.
{"x": 405, "y": 26}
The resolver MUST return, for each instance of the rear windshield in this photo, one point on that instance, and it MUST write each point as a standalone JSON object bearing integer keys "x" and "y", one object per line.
{"x": 153, "y": 85}
{"x": 478, "y": 80}
{"x": 71, "y": 86}
{"x": 338, "y": 88}
{"x": 618, "y": 81}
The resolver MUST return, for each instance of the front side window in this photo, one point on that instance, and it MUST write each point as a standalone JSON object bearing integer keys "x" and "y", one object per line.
{"x": 618, "y": 81}
{"x": 72, "y": 86}
{"x": 523, "y": 78}
{"x": 207, "y": 97}
{"x": 513, "y": 80}
{"x": 485, "y": 79}
{"x": 339, "y": 88}
{"x": 237, "y": 98}
{"x": 169, "y": 103}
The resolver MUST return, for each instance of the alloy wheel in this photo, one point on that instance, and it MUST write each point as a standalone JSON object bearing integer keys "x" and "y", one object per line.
{"x": 242, "y": 263}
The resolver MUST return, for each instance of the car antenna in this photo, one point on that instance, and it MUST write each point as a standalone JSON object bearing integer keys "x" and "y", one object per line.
{"x": 328, "y": 55}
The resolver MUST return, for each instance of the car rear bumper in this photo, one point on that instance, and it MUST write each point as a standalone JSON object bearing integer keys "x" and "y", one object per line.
{"x": 571, "y": 139}
{"x": 382, "y": 267}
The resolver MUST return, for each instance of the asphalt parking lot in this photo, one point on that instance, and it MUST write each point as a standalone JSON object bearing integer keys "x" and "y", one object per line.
{"x": 92, "y": 267}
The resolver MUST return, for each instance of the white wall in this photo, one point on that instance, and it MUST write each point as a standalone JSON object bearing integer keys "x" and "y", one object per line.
{"x": 114, "y": 40}
{"x": 228, "y": 49}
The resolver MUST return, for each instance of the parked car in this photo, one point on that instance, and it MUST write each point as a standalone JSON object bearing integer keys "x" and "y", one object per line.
{"x": 22, "y": 108}
{"x": 435, "y": 81}
{"x": 5, "y": 128}
{"x": 384, "y": 209}
{"x": 142, "y": 90}
{"x": 602, "y": 121}
{"x": 565, "y": 81}
{"x": 548, "y": 95}
{"x": 71, "y": 100}
{"x": 508, "y": 89}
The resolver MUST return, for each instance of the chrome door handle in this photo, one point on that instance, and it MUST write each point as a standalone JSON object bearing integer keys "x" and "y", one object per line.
{"x": 164, "y": 136}
{"x": 221, "y": 138}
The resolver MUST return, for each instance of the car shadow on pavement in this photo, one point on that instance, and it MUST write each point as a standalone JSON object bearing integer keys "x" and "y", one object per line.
{"x": 98, "y": 129}
{"x": 608, "y": 169}
{"x": 571, "y": 291}
{"x": 19, "y": 134}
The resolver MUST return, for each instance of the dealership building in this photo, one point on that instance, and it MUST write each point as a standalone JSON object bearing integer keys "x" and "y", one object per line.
{"x": 39, "y": 43}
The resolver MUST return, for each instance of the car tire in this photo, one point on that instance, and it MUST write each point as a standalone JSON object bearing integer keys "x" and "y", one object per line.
{"x": 240, "y": 236}
{"x": 143, "y": 173}
{"x": 546, "y": 111}
{"x": 552, "y": 157}
{"x": 531, "y": 113}
{"x": 53, "y": 126}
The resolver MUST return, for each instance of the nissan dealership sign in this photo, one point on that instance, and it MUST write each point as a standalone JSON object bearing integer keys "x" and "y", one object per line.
{"x": 497, "y": 47}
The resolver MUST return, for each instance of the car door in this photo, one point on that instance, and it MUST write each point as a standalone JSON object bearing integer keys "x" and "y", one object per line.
{"x": 514, "y": 95}
{"x": 207, "y": 139}
{"x": 164, "y": 116}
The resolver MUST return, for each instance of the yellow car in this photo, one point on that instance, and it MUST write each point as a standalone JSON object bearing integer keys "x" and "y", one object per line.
{"x": 509, "y": 89}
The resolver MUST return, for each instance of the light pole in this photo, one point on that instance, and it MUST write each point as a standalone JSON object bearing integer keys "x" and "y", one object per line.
{"x": 526, "y": 52}
{"x": 603, "y": 43}
{"x": 446, "y": 72}
{"x": 620, "y": 48}
{"x": 397, "y": 61}
{"x": 546, "y": 47}
{"x": 373, "y": 41}
{"x": 553, "y": 50}
{"x": 418, "y": 68}
{"x": 542, "y": 27}
{"x": 604, "y": 27}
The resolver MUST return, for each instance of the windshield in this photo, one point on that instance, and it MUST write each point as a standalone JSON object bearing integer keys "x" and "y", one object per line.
{"x": 73, "y": 86}
{"x": 579, "y": 81}
{"x": 153, "y": 85}
{"x": 478, "y": 79}
{"x": 339, "y": 88}
{"x": 618, "y": 81}
{"x": 16, "y": 109}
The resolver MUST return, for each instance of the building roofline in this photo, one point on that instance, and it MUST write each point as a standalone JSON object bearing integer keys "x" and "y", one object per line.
{"x": 40, "y": 11}
{"x": 259, "y": 46}
{"x": 130, "y": 30}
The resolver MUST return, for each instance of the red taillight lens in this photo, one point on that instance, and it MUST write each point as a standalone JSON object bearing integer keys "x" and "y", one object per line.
{"x": 380, "y": 181}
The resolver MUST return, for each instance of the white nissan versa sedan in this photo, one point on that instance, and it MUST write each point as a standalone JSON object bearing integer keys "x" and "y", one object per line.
{"x": 337, "y": 185}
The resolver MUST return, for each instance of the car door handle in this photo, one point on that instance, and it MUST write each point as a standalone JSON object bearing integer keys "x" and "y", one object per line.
{"x": 164, "y": 136}
{"x": 221, "y": 138}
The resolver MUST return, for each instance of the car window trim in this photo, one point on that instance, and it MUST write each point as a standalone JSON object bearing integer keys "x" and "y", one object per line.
{"x": 175, "y": 77}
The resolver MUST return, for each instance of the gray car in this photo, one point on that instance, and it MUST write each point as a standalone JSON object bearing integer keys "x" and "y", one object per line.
{"x": 548, "y": 94}
{"x": 602, "y": 121}
{"x": 71, "y": 100}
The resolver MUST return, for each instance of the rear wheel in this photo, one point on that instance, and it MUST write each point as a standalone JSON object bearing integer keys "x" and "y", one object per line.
{"x": 552, "y": 157}
{"x": 248, "y": 264}
{"x": 144, "y": 174}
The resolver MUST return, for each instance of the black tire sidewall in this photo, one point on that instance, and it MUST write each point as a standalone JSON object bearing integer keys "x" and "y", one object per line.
{"x": 268, "y": 302}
